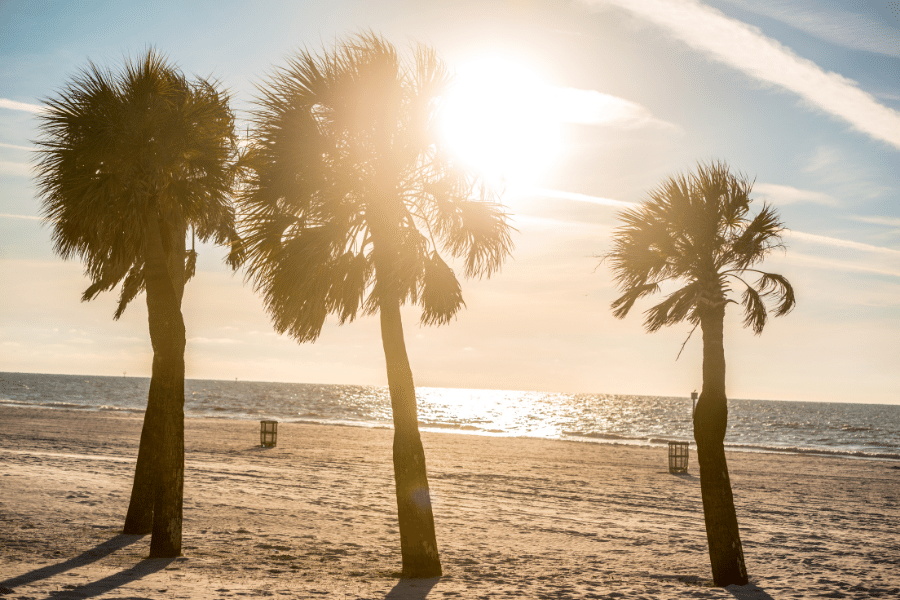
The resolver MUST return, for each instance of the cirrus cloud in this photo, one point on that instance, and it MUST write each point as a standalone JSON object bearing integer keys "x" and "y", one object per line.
{"x": 24, "y": 106}
{"x": 785, "y": 194}
{"x": 590, "y": 107}
{"x": 16, "y": 169}
{"x": 746, "y": 49}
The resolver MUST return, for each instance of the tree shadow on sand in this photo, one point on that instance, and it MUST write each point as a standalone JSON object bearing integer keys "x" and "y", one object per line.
{"x": 412, "y": 589}
{"x": 148, "y": 566}
{"x": 258, "y": 448}
{"x": 748, "y": 592}
{"x": 85, "y": 558}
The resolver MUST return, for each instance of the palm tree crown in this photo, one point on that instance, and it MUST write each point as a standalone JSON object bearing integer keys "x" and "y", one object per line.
{"x": 120, "y": 149}
{"x": 349, "y": 179}
{"x": 697, "y": 229}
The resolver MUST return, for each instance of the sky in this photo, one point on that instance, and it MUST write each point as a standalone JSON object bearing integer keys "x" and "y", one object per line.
{"x": 583, "y": 107}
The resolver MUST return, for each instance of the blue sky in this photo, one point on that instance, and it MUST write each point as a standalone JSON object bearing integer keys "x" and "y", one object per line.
{"x": 803, "y": 96}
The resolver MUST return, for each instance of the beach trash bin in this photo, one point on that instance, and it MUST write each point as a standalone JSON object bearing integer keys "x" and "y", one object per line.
{"x": 678, "y": 457}
{"x": 268, "y": 433}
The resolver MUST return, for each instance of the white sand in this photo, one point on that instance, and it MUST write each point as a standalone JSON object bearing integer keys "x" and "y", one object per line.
{"x": 516, "y": 518}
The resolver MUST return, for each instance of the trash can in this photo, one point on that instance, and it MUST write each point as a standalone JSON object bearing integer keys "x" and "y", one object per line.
{"x": 678, "y": 457}
{"x": 268, "y": 433}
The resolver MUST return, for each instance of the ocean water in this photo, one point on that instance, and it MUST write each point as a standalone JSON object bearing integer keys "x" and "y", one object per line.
{"x": 842, "y": 429}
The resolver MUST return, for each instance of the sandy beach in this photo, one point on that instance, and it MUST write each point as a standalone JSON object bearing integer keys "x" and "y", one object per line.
{"x": 516, "y": 518}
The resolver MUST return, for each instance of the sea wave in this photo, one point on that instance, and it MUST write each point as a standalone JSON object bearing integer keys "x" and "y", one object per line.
{"x": 813, "y": 428}
{"x": 107, "y": 407}
{"x": 593, "y": 435}
{"x": 814, "y": 451}
{"x": 51, "y": 405}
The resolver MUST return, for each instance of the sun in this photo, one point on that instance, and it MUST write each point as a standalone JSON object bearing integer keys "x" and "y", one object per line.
{"x": 498, "y": 118}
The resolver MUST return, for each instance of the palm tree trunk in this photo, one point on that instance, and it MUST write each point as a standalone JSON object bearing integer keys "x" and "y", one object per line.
{"x": 139, "y": 518}
{"x": 418, "y": 543}
{"x": 726, "y": 554}
{"x": 162, "y": 437}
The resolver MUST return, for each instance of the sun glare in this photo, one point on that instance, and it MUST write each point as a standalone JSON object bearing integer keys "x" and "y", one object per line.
{"x": 499, "y": 120}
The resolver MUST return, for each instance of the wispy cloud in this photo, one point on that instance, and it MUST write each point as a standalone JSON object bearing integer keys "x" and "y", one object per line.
{"x": 839, "y": 243}
{"x": 886, "y": 221}
{"x": 846, "y": 174}
{"x": 824, "y": 158}
{"x": 747, "y": 49}
{"x": 549, "y": 223}
{"x": 831, "y": 22}
{"x": 15, "y": 147}
{"x": 574, "y": 196}
{"x": 497, "y": 88}
{"x": 590, "y": 107}
{"x": 13, "y": 105}
{"x": 15, "y": 168}
{"x": 812, "y": 238}
{"x": 28, "y": 217}
{"x": 841, "y": 265}
{"x": 785, "y": 194}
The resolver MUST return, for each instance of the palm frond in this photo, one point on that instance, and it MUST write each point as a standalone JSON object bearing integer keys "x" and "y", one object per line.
{"x": 346, "y": 141}
{"x": 351, "y": 277}
{"x": 755, "y": 315}
{"x": 623, "y": 304}
{"x": 190, "y": 265}
{"x": 295, "y": 285}
{"x": 117, "y": 149}
{"x": 131, "y": 287}
{"x": 399, "y": 264}
{"x": 677, "y": 307}
{"x": 778, "y": 287}
{"x": 476, "y": 230}
{"x": 441, "y": 294}
{"x": 757, "y": 239}
{"x": 236, "y": 253}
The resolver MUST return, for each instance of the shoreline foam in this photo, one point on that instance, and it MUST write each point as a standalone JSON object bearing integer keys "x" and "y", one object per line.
{"x": 600, "y": 438}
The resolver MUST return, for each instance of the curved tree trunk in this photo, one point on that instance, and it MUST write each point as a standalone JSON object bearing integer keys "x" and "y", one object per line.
{"x": 157, "y": 493}
{"x": 139, "y": 518}
{"x": 726, "y": 554}
{"x": 418, "y": 543}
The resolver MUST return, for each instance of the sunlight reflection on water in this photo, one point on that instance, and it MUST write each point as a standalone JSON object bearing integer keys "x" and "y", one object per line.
{"x": 848, "y": 429}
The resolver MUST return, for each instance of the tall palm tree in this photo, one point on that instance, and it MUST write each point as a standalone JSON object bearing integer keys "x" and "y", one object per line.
{"x": 696, "y": 230}
{"x": 351, "y": 201}
{"x": 127, "y": 162}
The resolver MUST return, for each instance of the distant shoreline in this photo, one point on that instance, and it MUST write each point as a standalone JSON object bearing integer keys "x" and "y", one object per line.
{"x": 427, "y": 387}
{"x": 603, "y": 440}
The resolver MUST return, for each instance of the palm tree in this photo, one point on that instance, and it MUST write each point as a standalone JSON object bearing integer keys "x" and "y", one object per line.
{"x": 351, "y": 200}
{"x": 126, "y": 163}
{"x": 696, "y": 230}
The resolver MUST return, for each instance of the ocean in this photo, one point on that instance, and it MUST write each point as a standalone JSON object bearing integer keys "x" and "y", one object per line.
{"x": 863, "y": 431}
